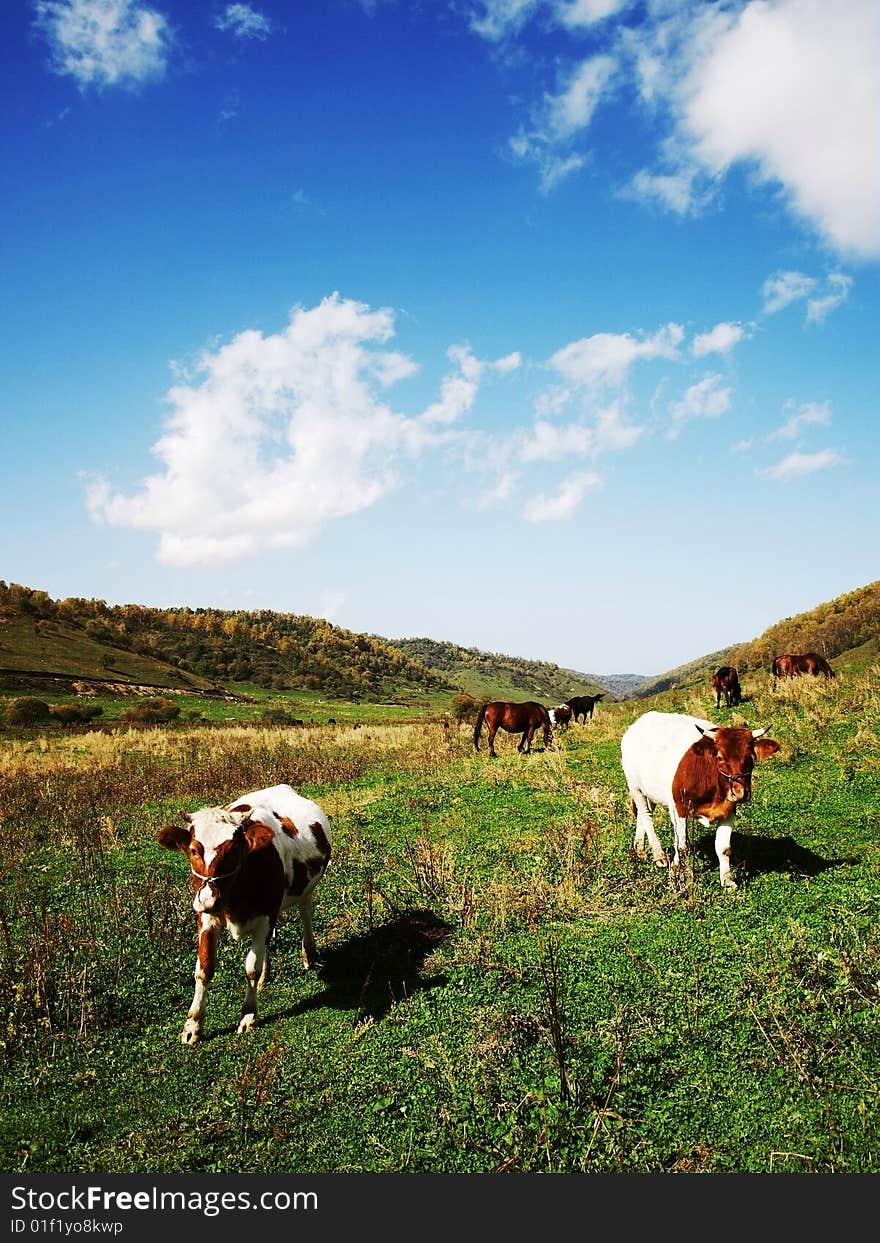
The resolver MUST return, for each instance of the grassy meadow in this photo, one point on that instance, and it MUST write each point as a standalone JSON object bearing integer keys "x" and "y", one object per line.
{"x": 504, "y": 988}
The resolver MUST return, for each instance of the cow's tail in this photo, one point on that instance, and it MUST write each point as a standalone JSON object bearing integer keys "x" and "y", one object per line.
{"x": 478, "y": 726}
{"x": 774, "y": 668}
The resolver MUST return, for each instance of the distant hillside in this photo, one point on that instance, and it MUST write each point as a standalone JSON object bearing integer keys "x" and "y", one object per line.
{"x": 197, "y": 649}
{"x": 846, "y": 630}
{"x": 684, "y": 675}
{"x": 496, "y": 676}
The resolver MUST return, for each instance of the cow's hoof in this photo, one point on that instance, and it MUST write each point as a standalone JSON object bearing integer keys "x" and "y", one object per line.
{"x": 728, "y": 883}
{"x": 248, "y": 1023}
{"x": 190, "y": 1034}
{"x": 661, "y": 862}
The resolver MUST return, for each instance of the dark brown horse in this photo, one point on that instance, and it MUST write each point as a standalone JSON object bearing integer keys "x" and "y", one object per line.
{"x": 515, "y": 718}
{"x": 726, "y": 682}
{"x": 793, "y": 664}
{"x": 583, "y": 705}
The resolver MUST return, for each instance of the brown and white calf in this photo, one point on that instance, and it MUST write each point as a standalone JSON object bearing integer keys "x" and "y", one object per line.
{"x": 693, "y": 768}
{"x": 249, "y": 861}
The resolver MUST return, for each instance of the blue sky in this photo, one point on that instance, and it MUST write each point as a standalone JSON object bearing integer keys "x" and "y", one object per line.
{"x": 548, "y": 327}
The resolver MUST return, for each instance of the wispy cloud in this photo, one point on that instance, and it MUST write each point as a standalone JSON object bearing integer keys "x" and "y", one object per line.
{"x": 798, "y": 464}
{"x": 606, "y": 357}
{"x": 704, "y": 400}
{"x": 244, "y": 22}
{"x": 561, "y": 117}
{"x": 818, "y": 308}
{"x": 102, "y": 43}
{"x": 563, "y": 504}
{"x": 783, "y": 288}
{"x": 813, "y": 414}
{"x": 785, "y": 90}
{"x": 719, "y": 340}
{"x": 458, "y": 391}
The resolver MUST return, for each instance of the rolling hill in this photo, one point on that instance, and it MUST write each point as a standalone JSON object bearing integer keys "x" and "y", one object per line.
{"x": 846, "y": 630}
{"x": 46, "y": 642}
{"x": 494, "y": 675}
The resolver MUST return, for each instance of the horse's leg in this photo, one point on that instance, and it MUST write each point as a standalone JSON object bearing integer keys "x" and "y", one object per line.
{"x": 493, "y": 730}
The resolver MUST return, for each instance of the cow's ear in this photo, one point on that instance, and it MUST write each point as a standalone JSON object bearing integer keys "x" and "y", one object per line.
{"x": 765, "y": 747}
{"x": 174, "y": 837}
{"x": 704, "y": 745}
{"x": 186, "y": 817}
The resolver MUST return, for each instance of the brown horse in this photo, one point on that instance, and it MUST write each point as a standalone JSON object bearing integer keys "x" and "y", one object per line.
{"x": 515, "y": 718}
{"x": 793, "y": 664}
{"x": 726, "y": 682}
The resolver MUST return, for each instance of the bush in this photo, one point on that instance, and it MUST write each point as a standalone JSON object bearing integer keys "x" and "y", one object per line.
{"x": 27, "y": 711}
{"x": 157, "y": 710}
{"x": 277, "y": 716}
{"x": 463, "y": 707}
{"x": 75, "y": 714}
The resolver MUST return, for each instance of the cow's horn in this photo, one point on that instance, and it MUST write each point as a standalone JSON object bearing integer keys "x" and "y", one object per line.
{"x": 711, "y": 730}
{"x": 759, "y": 733}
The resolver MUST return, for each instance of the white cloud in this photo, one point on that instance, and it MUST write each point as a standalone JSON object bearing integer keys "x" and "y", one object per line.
{"x": 576, "y": 14}
{"x": 458, "y": 392}
{"x": 561, "y": 117}
{"x": 673, "y": 190}
{"x": 811, "y": 414}
{"x": 572, "y": 109}
{"x": 271, "y": 438}
{"x": 720, "y": 340}
{"x": 783, "y": 288}
{"x": 605, "y": 357}
{"x": 548, "y": 442}
{"x": 244, "y": 22}
{"x": 556, "y": 508}
{"x": 496, "y": 19}
{"x": 790, "y": 87}
{"x": 798, "y": 464}
{"x": 820, "y": 307}
{"x": 703, "y": 400}
{"x": 105, "y": 42}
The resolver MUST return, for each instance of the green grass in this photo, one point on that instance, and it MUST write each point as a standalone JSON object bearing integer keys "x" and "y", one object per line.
{"x": 505, "y": 987}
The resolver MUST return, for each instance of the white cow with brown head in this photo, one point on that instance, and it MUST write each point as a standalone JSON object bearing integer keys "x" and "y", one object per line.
{"x": 249, "y": 861}
{"x": 695, "y": 769}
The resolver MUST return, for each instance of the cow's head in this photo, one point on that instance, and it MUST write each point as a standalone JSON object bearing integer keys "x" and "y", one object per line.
{"x": 735, "y": 752}
{"x": 216, "y": 842}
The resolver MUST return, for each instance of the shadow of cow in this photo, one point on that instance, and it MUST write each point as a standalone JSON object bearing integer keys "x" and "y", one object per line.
{"x": 751, "y": 854}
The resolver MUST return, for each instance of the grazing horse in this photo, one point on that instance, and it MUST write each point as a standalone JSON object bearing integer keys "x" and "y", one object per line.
{"x": 726, "y": 682}
{"x": 583, "y": 705}
{"x": 515, "y": 718}
{"x": 793, "y": 664}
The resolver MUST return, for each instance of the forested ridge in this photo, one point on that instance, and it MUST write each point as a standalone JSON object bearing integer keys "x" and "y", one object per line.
{"x": 283, "y": 651}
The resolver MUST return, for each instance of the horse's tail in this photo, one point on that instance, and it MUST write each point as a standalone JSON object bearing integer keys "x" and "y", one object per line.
{"x": 478, "y": 726}
{"x": 774, "y": 667}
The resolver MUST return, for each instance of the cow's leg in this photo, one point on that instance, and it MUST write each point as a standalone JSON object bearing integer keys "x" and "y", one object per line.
{"x": 645, "y": 829}
{"x": 254, "y": 966}
{"x": 206, "y": 961}
{"x": 722, "y": 850}
{"x": 548, "y": 738}
{"x": 679, "y": 827}
{"x": 310, "y": 956}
